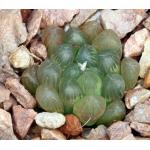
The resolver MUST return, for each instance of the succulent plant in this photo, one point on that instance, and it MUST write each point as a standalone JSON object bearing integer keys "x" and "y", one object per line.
{"x": 83, "y": 74}
{"x": 130, "y": 69}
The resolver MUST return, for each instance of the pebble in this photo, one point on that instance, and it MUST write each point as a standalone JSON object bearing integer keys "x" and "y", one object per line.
{"x": 99, "y": 133}
{"x": 23, "y": 119}
{"x": 50, "y": 120}
{"x": 146, "y": 23}
{"x": 142, "y": 128}
{"x": 147, "y": 79}
{"x": 144, "y": 60}
{"x": 142, "y": 113}
{"x": 82, "y": 16}
{"x": 33, "y": 23}
{"x": 38, "y": 49}
{"x": 135, "y": 44}
{"x": 122, "y": 21}
{"x": 136, "y": 96}
{"x": 72, "y": 126}
{"x": 21, "y": 58}
{"x": 7, "y": 105}
{"x": 12, "y": 30}
{"x": 54, "y": 134}
{"x": 4, "y": 93}
{"x": 58, "y": 17}
{"x": 6, "y": 128}
{"x": 119, "y": 130}
{"x": 20, "y": 93}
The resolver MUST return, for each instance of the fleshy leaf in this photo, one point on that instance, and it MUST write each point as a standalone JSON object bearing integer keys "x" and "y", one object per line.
{"x": 89, "y": 108}
{"x": 130, "y": 69}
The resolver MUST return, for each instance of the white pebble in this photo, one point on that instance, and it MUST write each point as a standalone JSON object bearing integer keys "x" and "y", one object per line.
{"x": 50, "y": 120}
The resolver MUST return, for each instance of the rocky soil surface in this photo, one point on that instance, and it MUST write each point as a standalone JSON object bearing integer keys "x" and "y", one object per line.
{"x": 21, "y": 46}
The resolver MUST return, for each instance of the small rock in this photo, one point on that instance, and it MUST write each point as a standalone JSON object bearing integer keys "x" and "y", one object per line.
{"x": 147, "y": 79}
{"x": 47, "y": 134}
{"x": 21, "y": 58}
{"x": 122, "y": 21}
{"x": 142, "y": 113}
{"x": 142, "y": 128}
{"x": 72, "y": 127}
{"x": 7, "y": 105}
{"x": 12, "y": 30}
{"x": 38, "y": 49}
{"x": 99, "y": 133}
{"x": 144, "y": 60}
{"x": 82, "y": 16}
{"x": 21, "y": 94}
{"x": 57, "y": 16}
{"x": 129, "y": 137}
{"x": 135, "y": 44}
{"x": 4, "y": 94}
{"x": 136, "y": 96}
{"x": 4, "y": 74}
{"x": 23, "y": 119}
{"x": 119, "y": 130}
{"x": 34, "y": 23}
{"x": 146, "y": 23}
{"x": 12, "y": 34}
{"x": 6, "y": 129}
{"x": 50, "y": 120}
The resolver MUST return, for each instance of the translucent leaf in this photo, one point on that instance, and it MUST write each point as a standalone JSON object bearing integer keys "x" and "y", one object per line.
{"x": 91, "y": 29}
{"x": 108, "y": 39}
{"x": 89, "y": 108}
{"x": 75, "y": 37}
{"x": 49, "y": 73}
{"x": 69, "y": 92}
{"x": 115, "y": 111}
{"x": 48, "y": 99}
{"x": 108, "y": 62}
{"x": 130, "y": 69}
{"x": 90, "y": 83}
{"x": 29, "y": 79}
{"x": 64, "y": 55}
{"x": 73, "y": 71}
{"x": 52, "y": 37}
{"x": 88, "y": 54}
{"x": 113, "y": 87}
